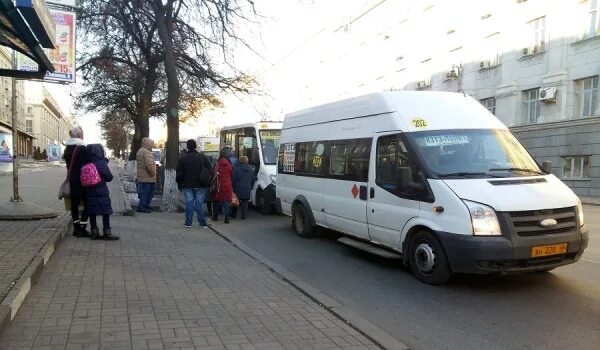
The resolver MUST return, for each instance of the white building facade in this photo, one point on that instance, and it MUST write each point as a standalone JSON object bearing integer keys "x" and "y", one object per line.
{"x": 534, "y": 63}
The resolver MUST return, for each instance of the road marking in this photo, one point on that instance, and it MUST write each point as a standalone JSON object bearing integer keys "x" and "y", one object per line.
{"x": 592, "y": 261}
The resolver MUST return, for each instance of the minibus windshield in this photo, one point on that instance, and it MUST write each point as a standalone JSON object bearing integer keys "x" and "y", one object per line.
{"x": 474, "y": 153}
{"x": 269, "y": 144}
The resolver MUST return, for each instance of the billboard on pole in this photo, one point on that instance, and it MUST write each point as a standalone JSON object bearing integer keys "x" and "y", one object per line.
{"x": 63, "y": 55}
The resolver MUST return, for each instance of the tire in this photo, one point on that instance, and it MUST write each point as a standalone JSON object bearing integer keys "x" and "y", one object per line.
{"x": 301, "y": 222}
{"x": 428, "y": 260}
{"x": 264, "y": 208}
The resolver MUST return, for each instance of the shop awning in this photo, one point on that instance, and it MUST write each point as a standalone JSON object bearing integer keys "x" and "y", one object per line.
{"x": 17, "y": 35}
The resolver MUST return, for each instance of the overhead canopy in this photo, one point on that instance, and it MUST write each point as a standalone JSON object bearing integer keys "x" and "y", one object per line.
{"x": 16, "y": 34}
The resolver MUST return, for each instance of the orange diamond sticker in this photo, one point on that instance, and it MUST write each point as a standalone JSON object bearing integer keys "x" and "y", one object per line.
{"x": 354, "y": 191}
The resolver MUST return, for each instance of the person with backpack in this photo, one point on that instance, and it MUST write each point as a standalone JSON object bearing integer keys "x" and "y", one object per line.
{"x": 223, "y": 187}
{"x": 75, "y": 155}
{"x": 94, "y": 176}
{"x": 194, "y": 176}
{"x": 243, "y": 178}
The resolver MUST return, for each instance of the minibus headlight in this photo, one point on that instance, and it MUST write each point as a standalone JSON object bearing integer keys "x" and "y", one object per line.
{"x": 484, "y": 220}
{"x": 580, "y": 213}
{"x": 272, "y": 179}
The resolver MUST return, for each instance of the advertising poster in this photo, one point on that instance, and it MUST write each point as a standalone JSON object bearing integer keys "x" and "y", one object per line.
{"x": 6, "y": 148}
{"x": 63, "y": 55}
{"x": 53, "y": 153}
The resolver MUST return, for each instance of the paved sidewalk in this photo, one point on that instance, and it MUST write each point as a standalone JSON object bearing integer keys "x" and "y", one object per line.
{"x": 165, "y": 286}
{"x": 22, "y": 241}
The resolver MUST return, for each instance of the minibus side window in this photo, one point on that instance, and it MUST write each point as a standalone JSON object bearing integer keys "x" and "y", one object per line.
{"x": 349, "y": 160}
{"x": 391, "y": 154}
{"x": 311, "y": 158}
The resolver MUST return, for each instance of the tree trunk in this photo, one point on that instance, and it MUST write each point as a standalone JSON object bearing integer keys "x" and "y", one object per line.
{"x": 141, "y": 129}
{"x": 165, "y": 27}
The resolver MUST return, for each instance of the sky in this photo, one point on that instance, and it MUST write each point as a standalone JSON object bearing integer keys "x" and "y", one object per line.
{"x": 283, "y": 26}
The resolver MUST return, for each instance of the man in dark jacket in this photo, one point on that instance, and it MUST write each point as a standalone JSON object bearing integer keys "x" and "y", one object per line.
{"x": 189, "y": 170}
{"x": 243, "y": 179}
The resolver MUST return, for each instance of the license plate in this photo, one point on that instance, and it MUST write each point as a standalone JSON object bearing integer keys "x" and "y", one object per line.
{"x": 546, "y": 250}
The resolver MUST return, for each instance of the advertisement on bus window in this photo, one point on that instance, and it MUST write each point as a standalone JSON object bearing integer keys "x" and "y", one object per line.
{"x": 6, "y": 148}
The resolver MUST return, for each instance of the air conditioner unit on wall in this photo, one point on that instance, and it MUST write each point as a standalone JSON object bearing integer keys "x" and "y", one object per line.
{"x": 548, "y": 94}
{"x": 485, "y": 64}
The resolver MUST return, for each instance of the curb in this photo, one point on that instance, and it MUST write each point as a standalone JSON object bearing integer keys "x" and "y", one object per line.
{"x": 351, "y": 318}
{"x": 584, "y": 202}
{"x": 13, "y": 301}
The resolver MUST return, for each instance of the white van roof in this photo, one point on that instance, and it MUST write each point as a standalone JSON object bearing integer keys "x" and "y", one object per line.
{"x": 439, "y": 110}
{"x": 258, "y": 125}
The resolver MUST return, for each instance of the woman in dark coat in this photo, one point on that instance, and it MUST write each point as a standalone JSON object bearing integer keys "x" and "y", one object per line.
{"x": 243, "y": 178}
{"x": 224, "y": 192}
{"x": 98, "y": 198}
{"x": 75, "y": 160}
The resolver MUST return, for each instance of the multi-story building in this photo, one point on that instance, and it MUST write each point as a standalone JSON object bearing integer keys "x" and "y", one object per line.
{"x": 24, "y": 145}
{"x": 535, "y": 64}
{"x": 48, "y": 123}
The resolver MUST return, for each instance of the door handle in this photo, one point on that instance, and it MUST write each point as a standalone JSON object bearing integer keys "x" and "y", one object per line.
{"x": 372, "y": 193}
{"x": 363, "y": 193}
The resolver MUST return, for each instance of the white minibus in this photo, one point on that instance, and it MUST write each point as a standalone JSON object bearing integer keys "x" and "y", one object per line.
{"x": 260, "y": 143}
{"x": 432, "y": 178}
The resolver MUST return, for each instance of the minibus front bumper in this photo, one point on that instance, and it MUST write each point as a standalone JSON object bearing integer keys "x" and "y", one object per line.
{"x": 510, "y": 253}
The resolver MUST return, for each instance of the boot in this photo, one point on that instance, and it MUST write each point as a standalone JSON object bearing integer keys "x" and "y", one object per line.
{"x": 108, "y": 236}
{"x": 76, "y": 228}
{"x": 96, "y": 233}
{"x": 226, "y": 219}
{"x": 82, "y": 230}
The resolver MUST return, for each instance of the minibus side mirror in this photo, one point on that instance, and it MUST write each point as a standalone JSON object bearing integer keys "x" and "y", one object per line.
{"x": 547, "y": 166}
{"x": 405, "y": 182}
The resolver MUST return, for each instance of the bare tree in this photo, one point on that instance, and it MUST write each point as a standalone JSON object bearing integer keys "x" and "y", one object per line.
{"x": 116, "y": 128}
{"x": 121, "y": 62}
{"x": 192, "y": 33}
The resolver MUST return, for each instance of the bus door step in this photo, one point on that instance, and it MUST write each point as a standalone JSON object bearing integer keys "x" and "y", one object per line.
{"x": 370, "y": 248}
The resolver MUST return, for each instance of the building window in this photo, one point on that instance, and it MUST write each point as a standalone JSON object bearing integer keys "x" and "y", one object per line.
{"x": 531, "y": 106}
{"x": 538, "y": 36}
{"x": 592, "y": 22}
{"x": 492, "y": 49}
{"x": 586, "y": 96}
{"x": 29, "y": 110}
{"x": 29, "y": 126}
{"x": 576, "y": 167}
{"x": 490, "y": 104}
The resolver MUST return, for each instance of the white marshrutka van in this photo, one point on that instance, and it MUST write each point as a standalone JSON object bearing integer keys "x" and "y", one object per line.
{"x": 260, "y": 143}
{"x": 432, "y": 178}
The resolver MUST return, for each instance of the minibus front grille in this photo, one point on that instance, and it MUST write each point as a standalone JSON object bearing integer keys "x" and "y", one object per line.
{"x": 528, "y": 223}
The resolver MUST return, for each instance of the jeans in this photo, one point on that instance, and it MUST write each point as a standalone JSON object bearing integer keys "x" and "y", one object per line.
{"x": 145, "y": 190}
{"x": 105, "y": 221}
{"x": 225, "y": 208}
{"x": 194, "y": 199}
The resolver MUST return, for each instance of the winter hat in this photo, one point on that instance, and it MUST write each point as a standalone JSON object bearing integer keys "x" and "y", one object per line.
{"x": 76, "y": 132}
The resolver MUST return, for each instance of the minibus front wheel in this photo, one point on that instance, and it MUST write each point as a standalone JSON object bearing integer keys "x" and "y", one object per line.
{"x": 301, "y": 221}
{"x": 428, "y": 260}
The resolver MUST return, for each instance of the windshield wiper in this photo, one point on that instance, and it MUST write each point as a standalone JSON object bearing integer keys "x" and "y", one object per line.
{"x": 466, "y": 174}
{"x": 532, "y": 171}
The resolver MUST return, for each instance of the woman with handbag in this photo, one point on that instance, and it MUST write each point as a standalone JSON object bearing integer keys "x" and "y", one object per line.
{"x": 224, "y": 189}
{"x": 75, "y": 156}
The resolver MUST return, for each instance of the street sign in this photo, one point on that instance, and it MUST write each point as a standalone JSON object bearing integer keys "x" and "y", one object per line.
{"x": 62, "y": 56}
{"x": 40, "y": 21}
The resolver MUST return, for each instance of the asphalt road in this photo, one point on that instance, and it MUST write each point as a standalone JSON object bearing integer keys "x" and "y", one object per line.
{"x": 556, "y": 310}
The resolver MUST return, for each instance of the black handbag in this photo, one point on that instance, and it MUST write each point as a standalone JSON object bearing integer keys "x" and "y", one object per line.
{"x": 206, "y": 176}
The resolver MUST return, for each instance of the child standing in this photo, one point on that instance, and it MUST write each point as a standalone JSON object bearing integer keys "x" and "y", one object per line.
{"x": 97, "y": 197}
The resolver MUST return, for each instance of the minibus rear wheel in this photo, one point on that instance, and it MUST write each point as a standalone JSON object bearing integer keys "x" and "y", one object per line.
{"x": 428, "y": 260}
{"x": 301, "y": 222}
